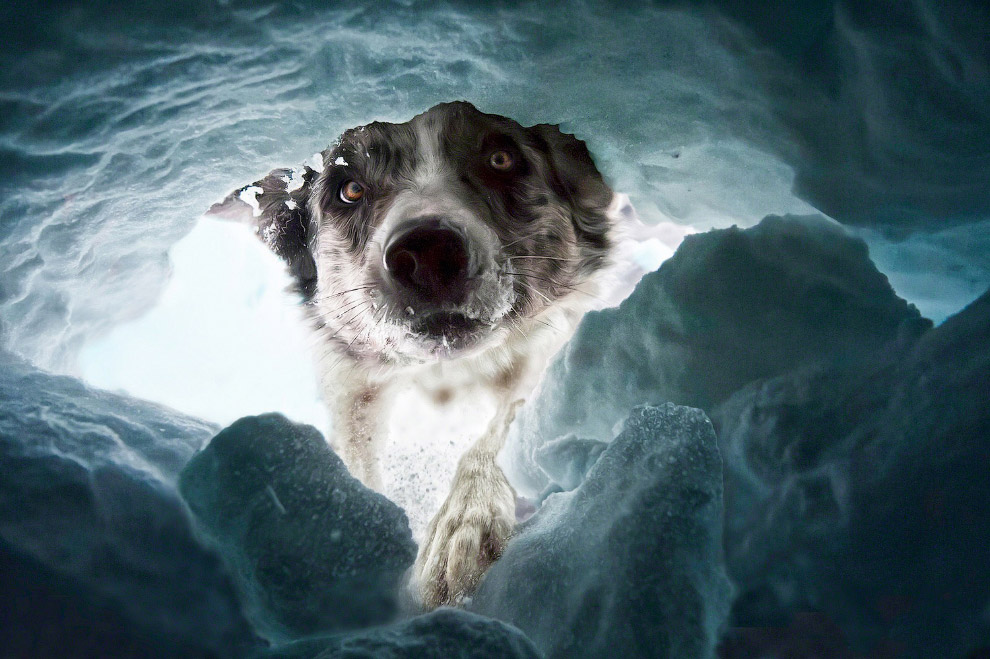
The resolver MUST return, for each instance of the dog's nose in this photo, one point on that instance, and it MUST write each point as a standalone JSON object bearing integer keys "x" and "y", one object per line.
{"x": 430, "y": 258}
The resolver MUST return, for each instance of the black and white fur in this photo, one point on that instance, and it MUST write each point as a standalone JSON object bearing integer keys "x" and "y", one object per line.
{"x": 530, "y": 239}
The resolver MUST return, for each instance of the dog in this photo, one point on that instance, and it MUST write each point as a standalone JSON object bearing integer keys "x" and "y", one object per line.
{"x": 457, "y": 237}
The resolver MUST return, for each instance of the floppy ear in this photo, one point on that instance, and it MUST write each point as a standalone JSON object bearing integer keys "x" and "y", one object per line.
{"x": 277, "y": 208}
{"x": 576, "y": 179}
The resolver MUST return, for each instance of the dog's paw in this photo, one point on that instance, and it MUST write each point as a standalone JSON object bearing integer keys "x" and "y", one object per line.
{"x": 467, "y": 535}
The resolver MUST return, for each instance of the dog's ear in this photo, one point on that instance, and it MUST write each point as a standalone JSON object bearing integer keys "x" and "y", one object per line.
{"x": 576, "y": 179}
{"x": 277, "y": 208}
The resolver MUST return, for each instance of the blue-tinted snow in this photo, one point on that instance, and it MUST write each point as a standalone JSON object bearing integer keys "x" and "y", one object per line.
{"x": 731, "y": 306}
{"x": 853, "y": 438}
{"x": 97, "y": 551}
{"x": 858, "y": 491}
{"x": 312, "y": 548}
{"x": 441, "y": 634}
{"x": 628, "y": 564}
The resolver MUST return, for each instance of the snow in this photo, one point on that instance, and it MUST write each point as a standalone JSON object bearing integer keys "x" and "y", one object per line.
{"x": 731, "y": 306}
{"x": 312, "y": 549}
{"x": 628, "y": 563}
{"x": 224, "y": 341}
{"x": 249, "y": 196}
{"x": 295, "y": 180}
{"x": 867, "y": 472}
{"x": 441, "y": 634}
{"x": 96, "y": 548}
{"x": 850, "y": 438}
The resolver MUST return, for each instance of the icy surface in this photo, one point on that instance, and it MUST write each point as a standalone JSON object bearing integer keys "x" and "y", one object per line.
{"x": 854, "y": 452}
{"x": 63, "y": 416}
{"x": 97, "y": 551}
{"x": 313, "y": 549}
{"x": 731, "y": 306}
{"x": 629, "y": 564}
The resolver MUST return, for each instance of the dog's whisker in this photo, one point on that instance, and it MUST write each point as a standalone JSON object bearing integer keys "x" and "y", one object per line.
{"x": 348, "y": 306}
{"x": 560, "y": 285}
{"x": 533, "y": 289}
{"x": 324, "y": 298}
{"x": 549, "y": 258}
{"x": 519, "y": 240}
{"x": 349, "y": 320}
{"x": 548, "y": 324}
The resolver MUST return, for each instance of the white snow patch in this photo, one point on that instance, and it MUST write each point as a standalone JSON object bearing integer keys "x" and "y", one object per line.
{"x": 249, "y": 196}
{"x": 294, "y": 181}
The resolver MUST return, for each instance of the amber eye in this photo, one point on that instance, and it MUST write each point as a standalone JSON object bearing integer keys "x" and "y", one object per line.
{"x": 351, "y": 192}
{"x": 501, "y": 160}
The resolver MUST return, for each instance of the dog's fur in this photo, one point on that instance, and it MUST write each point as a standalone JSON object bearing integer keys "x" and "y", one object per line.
{"x": 536, "y": 235}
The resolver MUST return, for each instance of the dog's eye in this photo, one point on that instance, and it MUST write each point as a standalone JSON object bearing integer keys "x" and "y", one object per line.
{"x": 351, "y": 192}
{"x": 501, "y": 160}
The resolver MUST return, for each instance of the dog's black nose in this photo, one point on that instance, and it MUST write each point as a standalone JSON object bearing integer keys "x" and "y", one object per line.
{"x": 431, "y": 259}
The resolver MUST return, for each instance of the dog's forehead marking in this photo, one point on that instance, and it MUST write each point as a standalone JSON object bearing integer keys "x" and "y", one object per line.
{"x": 430, "y": 163}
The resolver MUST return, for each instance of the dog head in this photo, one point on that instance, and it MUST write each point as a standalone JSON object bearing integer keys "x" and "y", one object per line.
{"x": 438, "y": 236}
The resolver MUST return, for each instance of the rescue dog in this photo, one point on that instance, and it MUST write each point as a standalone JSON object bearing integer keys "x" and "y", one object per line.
{"x": 460, "y": 237}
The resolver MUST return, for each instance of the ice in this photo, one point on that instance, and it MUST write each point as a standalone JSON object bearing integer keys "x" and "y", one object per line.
{"x": 851, "y": 433}
{"x": 628, "y": 564}
{"x": 312, "y": 548}
{"x": 96, "y": 428}
{"x": 97, "y": 551}
{"x": 729, "y": 307}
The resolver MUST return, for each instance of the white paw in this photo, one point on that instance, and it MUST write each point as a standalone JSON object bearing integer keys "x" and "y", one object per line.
{"x": 467, "y": 535}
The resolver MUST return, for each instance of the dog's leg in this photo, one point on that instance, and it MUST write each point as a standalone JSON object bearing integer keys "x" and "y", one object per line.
{"x": 469, "y": 532}
{"x": 359, "y": 427}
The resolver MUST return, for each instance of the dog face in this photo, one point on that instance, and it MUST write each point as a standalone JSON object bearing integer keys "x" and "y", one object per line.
{"x": 439, "y": 236}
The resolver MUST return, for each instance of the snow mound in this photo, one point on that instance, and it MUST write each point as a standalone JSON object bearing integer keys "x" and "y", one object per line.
{"x": 857, "y": 491}
{"x": 96, "y": 549}
{"x": 629, "y": 564}
{"x": 313, "y": 549}
{"x": 731, "y": 306}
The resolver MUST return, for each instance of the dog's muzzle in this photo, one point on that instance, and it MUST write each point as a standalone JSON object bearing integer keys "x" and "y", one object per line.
{"x": 431, "y": 261}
